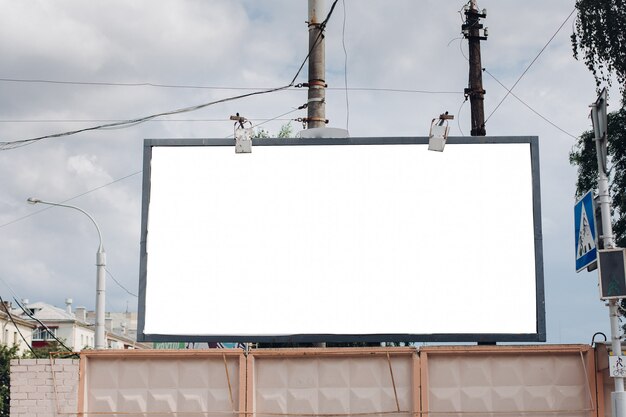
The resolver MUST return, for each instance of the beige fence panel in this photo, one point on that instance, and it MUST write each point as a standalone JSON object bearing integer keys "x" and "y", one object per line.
{"x": 333, "y": 382}
{"x": 162, "y": 383}
{"x": 534, "y": 381}
{"x": 448, "y": 381}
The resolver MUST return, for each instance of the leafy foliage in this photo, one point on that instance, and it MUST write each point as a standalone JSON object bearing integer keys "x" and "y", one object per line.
{"x": 44, "y": 352}
{"x": 6, "y": 354}
{"x": 583, "y": 155}
{"x": 600, "y": 37}
{"x": 286, "y": 131}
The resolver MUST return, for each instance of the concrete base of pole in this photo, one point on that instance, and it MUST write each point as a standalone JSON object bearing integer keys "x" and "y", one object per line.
{"x": 618, "y": 402}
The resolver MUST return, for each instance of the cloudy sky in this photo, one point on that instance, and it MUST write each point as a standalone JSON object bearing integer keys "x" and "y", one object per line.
{"x": 195, "y": 52}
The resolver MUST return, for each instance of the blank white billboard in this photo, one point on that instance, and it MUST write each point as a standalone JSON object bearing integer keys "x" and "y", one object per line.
{"x": 360, "y": 240}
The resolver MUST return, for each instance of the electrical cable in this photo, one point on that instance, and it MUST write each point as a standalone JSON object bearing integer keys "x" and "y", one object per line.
{"x": 593, "y": 338}
{"x": 345, "y": 64}
{"x": 120, "y": 84}
{"x": 118, "y": 283}
{"x": 42, "y": 325}
{"x": 70, "y": 199}
{"x": 294, "y": 88}
{"x": 317, "y": 39}
{"x": 530, "y": 65}
{"x": 7, "y": 310}
{"x": 113, "y": 120}
{"x": 458, "y": 117}
{"x": 279, "y": 117}
{"x": 7, "y": 145}
{"x": 513, "y": 94}
{"x": 528, "y": 106}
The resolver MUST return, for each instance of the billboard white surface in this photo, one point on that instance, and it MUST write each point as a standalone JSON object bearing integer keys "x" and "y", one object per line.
{"x": 347, "y": 240}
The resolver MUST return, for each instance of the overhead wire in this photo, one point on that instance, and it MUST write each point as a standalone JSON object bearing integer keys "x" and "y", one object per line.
{"x": 46, "y": 328}
{"x": 119, "y": 284}
{"x": 8, "y": 311}
{"x": 19, "y": 304}
{"x": 315, "y": 42}
{"x": 458, "y": 117}
{"x": 115, "y": 120}
{"x": 70, "y": 199}
{"x": 509, "y": 91}
{"x": 528, "y": 106}
{"x": 345, "y": 64}
{"x": 7, "y": 145}
{"x": 291, "y": 88}
{"x": 122, "y": 84}
{"x": 279, "y": 117}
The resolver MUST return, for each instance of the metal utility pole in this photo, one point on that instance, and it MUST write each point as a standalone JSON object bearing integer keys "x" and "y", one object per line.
{"x": 471, "y": 31}
{"x": 316, "y": 103}
{"x": 599, "y": 120}
{"x": 100, "y": 333}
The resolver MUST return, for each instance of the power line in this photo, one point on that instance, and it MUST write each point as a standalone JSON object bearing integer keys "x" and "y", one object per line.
{"x": 7, "y": 309}
{"x": 458, "y": 117}
{"x": 345, "y": 64}
{"x": 528, "y": 106}
{"x": 71, "y": 198}
{"x": 7, "y": 145}
{"x": 29, "y": 314}
{"x": 122, "y": 84}
{"x": 174, "y": 86}
{"x": 530, "y": 65}
{"x": 511, "y": 93}
{"x": 118, "y": 283}
{"x": 117, "y": 120}
{"x": 396, "y": 90}
{"x": 279, "y": 117}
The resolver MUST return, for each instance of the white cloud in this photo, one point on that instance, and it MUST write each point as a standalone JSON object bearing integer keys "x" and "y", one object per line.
{"x": 390, "y": 44}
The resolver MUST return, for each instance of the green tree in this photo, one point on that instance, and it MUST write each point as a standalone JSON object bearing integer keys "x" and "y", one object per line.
{"x": 44, "y": 352}
{"x": 600, "y": 38}
{"x": 286, "y": 131}
{"x": 6, "y": 354}
{"x": 583, "y": 156}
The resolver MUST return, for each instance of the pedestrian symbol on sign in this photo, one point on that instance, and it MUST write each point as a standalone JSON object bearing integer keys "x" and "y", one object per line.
{"x": 586, "y": 242}
{"x": 585, "y": 232}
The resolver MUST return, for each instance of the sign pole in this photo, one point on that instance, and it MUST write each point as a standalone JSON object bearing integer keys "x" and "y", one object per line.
{"x": 599, "y": 120}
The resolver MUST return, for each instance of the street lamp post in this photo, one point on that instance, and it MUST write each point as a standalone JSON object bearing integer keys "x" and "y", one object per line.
{"x": 100, "y": 342}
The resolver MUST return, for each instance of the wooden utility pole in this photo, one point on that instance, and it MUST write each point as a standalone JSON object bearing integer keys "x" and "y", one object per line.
{"x": 471, "y": 31}
{"x": 316, "y": 103}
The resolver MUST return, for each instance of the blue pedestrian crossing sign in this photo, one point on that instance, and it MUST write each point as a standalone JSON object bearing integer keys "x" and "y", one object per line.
{"x": 585, "y": 232}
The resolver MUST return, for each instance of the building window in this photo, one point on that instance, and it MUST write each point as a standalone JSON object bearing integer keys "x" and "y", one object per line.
{"x": 42, "y": 333}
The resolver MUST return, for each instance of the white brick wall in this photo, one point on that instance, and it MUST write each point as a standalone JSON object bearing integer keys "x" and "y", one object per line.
{"x": 34, "y": 392}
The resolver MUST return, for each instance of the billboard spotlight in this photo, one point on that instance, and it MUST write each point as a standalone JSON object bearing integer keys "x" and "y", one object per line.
{"x": 439, "y": 132}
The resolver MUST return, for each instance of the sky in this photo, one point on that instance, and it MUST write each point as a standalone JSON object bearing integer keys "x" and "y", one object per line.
{"x": 167, "y": 50}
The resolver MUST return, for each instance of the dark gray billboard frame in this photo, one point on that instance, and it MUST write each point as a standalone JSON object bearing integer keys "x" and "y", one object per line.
{"x": 539, "y": 336}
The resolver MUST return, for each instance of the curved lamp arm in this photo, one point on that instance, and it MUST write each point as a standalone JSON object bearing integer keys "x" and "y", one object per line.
{"x": 32, "y": 200}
